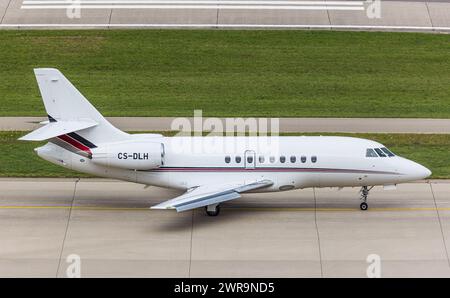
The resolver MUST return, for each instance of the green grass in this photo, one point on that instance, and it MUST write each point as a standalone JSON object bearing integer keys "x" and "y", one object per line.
{"x": 19, "y": 160}
{"x": 233, "y": 73}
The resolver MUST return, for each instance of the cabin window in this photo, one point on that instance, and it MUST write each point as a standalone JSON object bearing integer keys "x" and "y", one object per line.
{"x": 371, "y": 153}
{"x": 313, "y": 158}
{"x": 238, "y": 159}
{"x": 387, "y": 151}
{"x": 293, "y": 159}
{"x": 261, "y": 159}
{"x": 282, "y": 159}
{"x": 227, "y": 159}
{"x": 249, "y": 159}
{"x": 272, "y": 159}
{"x": 380, "y": 153}
{"x": 303, "y": 159}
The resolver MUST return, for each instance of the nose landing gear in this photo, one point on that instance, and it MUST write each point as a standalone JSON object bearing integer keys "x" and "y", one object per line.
{"x": 212, "y": 210}
{"x": 364, "y": 193}
{"x": 364, "y": 206}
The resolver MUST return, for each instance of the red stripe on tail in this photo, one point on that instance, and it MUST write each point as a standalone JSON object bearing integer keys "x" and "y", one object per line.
{"x": 75, "y": 143}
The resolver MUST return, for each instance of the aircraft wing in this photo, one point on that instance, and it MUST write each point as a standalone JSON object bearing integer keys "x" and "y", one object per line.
{"x": 210, "y": 194}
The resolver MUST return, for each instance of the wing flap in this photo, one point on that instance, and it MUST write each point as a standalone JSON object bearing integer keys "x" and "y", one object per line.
{"x": 210, "y": 194}
{"x": 54, "y": 129}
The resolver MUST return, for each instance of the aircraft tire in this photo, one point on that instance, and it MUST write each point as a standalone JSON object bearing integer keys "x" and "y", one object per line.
{"x": 364, "y": 206}
{"x": 213, "y": 213}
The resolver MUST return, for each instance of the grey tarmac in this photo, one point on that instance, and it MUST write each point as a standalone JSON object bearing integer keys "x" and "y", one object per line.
{"x": 428, "y": 16}
{"x": 302, "y": 233}
{"x": 344, "y": 125}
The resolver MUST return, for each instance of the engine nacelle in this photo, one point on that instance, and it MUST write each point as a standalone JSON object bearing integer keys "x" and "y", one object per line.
{"x": 131, "y": 155}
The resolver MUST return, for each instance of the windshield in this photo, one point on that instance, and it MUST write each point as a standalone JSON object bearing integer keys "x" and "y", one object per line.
{"x": 387, "y": 151}
{"x": 379, "y": 152}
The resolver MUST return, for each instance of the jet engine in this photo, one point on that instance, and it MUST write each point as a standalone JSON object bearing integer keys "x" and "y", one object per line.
{"x": 131, "y": 155}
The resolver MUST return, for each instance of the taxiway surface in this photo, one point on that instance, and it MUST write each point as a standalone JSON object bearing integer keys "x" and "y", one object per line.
{"x": 346, "y": 125}
{"x": 303, "y": 233}
{"x": 363, "y": 15}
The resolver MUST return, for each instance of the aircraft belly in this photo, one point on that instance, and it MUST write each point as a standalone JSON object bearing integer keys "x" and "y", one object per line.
{"x": 186, "y": 179}
{"x": 353, "y": 179}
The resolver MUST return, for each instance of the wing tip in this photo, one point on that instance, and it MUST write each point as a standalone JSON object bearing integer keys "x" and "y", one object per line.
{"x": 158, "y": 207}
{"x": 45, "y": 70}
{"x": 27, "y": 137}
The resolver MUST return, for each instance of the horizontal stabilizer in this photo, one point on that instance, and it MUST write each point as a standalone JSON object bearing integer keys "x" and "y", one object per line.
{"x": 71, "y": 111}
{"x": 54, "y": 129}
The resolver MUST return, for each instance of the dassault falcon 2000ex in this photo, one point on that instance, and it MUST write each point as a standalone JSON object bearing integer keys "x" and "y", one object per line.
{"x": 79, "y": 138}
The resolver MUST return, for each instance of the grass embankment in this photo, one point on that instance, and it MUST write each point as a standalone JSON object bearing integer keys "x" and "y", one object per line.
{"x": 233, "y": 73}
{"x": 19, "y": 160}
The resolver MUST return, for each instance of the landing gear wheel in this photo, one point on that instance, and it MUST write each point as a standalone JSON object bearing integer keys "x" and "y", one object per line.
{"x": 212, "y": 210}
{"x": 364, "y": 194}
{"x": 364, "y": 206}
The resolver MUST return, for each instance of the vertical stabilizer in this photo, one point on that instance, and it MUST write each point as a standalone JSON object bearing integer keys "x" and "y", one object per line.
{"x": 63, "y": 102}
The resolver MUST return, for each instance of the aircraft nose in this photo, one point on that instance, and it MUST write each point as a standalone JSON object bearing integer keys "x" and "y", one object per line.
{"x": 417, "y": 171}
{"x": 427, "y": 173}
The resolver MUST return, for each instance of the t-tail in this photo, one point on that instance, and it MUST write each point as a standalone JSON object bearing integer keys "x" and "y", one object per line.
{"x": 73, "y": 126}
{"x": 73, "y": 123}
{"x": 80, "y": 138}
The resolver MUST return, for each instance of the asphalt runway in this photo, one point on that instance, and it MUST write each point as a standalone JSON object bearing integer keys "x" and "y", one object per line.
{"x": 345, "y": 125}
{"x": 303, "y": 233}
{"x": 354, "y": 15}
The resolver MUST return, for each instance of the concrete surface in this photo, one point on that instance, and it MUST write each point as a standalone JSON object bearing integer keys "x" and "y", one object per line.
{"x": 395, "y": 13}
{"x": 312, "y": 232}
{"x": 267, "y": 17}
{"x": 15, "y": 14}
{"x": 412, "y": 246}
{"x": 375, "y": 125}
{"x": 409, "y": 15}
{"x": 158, "y": 16}
{"x": 3, "y": 6}
{"x": 439, "y": 14}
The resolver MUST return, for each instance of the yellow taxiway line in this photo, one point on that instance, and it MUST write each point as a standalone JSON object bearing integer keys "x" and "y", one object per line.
{"x": 290, "y": 209}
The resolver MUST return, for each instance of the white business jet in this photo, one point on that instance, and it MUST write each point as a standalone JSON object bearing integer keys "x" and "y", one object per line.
{"x": 79, "y": 138}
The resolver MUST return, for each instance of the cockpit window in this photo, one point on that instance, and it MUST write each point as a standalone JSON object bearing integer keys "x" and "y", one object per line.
{"x": 371, "y": 153}
{"x": 387, "y": 151}
{"x": 380, "y": 153}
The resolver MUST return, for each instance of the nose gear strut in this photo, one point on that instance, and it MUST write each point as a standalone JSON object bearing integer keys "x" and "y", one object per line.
{"x": 364, "y": 194}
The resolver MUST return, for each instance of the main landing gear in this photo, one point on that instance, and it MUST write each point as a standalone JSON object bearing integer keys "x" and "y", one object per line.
{"x": 212, "y": 210}
{"x": 364, "y": 193}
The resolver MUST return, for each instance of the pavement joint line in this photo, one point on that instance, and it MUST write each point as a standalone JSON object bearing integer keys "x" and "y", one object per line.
{"x": 110, "y": 16}
{"x": 440, "y": 225}
{"x": 429, "y": 15}
{"x": 6, "y": 10}
{"x": 217, "y": 17}
{"x": 317, "y": 231}
{"x": 67, "y": 227}
{"x": 329, "y": 19}
{"x": 190, "y": 247}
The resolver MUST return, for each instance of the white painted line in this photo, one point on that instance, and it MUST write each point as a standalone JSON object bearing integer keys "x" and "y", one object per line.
{"x": 351, "y": 3}
{"x": 193, "y": 4}
{"x": 299, "y": 26}
{"x": 190, "y": 7}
